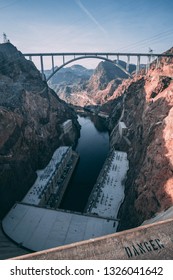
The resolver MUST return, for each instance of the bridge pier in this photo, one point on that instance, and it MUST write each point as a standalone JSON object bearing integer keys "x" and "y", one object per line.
{"x": 157, "y": 62}
{"x": 138, "y": 64}
{"x": 117, "y": 59}
{"x": 63, "y": 57}
{"x": 148, "y": 63}
{"x": 128, "y": 63}
{"x": 53, "y": 66}
{"x": 42, "y": 68}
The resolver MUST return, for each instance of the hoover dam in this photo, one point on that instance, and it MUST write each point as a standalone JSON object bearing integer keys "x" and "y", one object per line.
{"x": 133, "y": 192}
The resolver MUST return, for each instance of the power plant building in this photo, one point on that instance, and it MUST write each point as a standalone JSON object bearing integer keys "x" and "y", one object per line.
{"x": 49, "y": 179}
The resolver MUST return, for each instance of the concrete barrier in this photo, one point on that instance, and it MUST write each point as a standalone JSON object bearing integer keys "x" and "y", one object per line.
{"x": 148, "y": 242}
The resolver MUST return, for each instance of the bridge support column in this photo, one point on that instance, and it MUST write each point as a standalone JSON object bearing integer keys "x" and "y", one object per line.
{"x": 157, "y": 62}
{"x": 148, "y": 63}
{"x": 42, "y": 68}
{"x": 53, "y": 66}
{"x": 30, "y": 58}
{"x": 63, "y": 59}
{"x": 128, "y": 62}
{"x": 138, "y": 64}
{"x": 117, "y": 59}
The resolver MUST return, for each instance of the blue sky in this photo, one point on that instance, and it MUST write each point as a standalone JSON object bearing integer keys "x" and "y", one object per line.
{"x": 88, "y": 25}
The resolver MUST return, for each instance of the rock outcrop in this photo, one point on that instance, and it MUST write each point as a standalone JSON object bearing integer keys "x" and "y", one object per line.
{"x": 145, "y": 105}
{"x": 98, "y": 89}
{"x": 31, "y": 116}
{"x": 69, "y": 76}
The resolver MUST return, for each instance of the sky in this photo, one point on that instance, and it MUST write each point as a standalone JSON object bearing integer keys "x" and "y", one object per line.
{"x": 87, "y": 25}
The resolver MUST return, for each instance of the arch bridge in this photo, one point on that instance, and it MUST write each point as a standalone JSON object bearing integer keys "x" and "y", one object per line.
{"x": 70, "y": 57}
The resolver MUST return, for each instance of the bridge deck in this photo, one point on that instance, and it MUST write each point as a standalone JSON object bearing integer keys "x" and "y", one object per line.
{"x": 98, "y": 53}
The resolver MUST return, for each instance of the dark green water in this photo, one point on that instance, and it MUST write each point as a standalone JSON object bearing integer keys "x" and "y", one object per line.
{"x": 93, "y": 147}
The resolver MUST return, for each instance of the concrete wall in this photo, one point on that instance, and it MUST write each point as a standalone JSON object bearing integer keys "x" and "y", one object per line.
{"x": 122, "y": 129}
{"x": 149, "y": 242}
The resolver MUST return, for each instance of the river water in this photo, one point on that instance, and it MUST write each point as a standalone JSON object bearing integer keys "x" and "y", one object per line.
{"x": 92, "y": 147}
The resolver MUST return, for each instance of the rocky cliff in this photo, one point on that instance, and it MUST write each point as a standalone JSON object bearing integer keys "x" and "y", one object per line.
{"x": 69, "y": 76}
{"x": 145, "y": 105}
{"x": 31, "y": 116}
{"x": 98, "y": 89}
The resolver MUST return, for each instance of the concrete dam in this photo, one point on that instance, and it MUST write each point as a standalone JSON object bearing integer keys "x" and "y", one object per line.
{"x": 37, "y": 223}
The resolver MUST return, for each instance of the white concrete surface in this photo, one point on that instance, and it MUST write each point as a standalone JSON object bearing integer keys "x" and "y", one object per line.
{"x": 108, "y": 193}
{"x": 38, "y": 228}
{"x": 44, "y": 176}
{"x": 122, "y": 128}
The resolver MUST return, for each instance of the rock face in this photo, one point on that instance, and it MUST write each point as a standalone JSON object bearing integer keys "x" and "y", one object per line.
{"x": 145, "y": 105}
{"x": 98, "y": 89}
{"x": 104, "y": 73}
{"x": 75, "y": 74}
{"x": 67, "y": 82}
{"x": 31, "y": 116}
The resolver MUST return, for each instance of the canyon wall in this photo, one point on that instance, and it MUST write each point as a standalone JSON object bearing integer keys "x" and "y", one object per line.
{"x": 145, "y": 105}
{"x": 31, "y": 115}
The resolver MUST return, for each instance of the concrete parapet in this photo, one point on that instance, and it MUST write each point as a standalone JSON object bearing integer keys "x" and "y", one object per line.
{"x": 149, "y": 242}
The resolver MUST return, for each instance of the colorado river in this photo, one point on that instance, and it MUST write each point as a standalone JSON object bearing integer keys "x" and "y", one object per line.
{"x": 92, "y": 147}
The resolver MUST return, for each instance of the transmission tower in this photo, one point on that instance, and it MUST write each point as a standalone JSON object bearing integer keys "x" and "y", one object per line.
{"x": 5, "y": 39}
{"x": 150, "y": 50}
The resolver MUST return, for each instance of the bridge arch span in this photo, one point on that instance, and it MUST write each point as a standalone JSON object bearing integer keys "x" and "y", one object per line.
{"x": 88, "y": 56}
